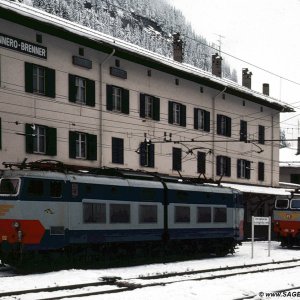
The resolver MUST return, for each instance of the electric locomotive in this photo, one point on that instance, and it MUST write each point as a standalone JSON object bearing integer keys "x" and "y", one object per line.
{"x": 287, "y": 220}
{"x": 45, "y": 211}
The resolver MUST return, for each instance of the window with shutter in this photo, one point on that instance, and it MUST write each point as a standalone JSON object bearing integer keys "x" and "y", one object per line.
{"x": 261, "y": 134}
{"x": 201, "y": 162}
{"x": 176, "y": 159}
{"x": 117, "y": 151}
{"x": 147, "y": 155}
{"x": 223, "y": 166}
{"x": 201, "y": 119}
{"x": 39, "y": 80}
{"x": 243, "y": 168}
{"x": 81, "y": 90}
{"x": 40, "y": 139}
{"x": 261, "y": 171}
{"x": 177, "y": 113}
{"x": 223, "y": 125}
{"x": 243, "y": 131}
{"x": 117, "y": 99}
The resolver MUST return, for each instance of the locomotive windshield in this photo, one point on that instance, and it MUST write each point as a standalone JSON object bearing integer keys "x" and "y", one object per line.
{"x": 295, "y": 203}
{"x": 282, "y": 203}
{"x": 9, "y": 186}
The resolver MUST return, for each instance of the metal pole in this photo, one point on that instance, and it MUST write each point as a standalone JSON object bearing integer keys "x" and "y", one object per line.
{"x": 269, "y": 238}
{"x": 252, "y": 237}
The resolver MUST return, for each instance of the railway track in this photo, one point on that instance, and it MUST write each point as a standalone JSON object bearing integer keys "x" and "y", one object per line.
{"x": 109, "y": 285}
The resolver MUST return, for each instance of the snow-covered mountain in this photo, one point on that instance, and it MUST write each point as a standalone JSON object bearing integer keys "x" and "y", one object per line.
{"x": 149, "y": 24}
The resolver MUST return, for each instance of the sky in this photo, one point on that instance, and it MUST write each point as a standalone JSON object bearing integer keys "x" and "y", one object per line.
{"x": 261, "y": 33}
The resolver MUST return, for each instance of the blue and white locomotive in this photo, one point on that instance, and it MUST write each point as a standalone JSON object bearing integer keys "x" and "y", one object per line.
{"x": 42, "y": 211}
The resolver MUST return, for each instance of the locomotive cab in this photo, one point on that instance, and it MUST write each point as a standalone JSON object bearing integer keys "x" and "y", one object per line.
{"x": 287, "y": 220}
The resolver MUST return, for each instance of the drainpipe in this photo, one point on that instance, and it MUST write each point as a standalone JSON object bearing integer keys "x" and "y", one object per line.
{"x": 272, "y": 151}
{"x": 100, "y": 105}
{"x": 214, "y": 130}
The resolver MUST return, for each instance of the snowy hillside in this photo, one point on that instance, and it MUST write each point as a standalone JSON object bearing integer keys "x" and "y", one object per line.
{"x": 149, "y": 24}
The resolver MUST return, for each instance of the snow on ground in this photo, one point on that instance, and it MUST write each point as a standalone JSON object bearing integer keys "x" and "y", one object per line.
{"x": 226, "y": 288}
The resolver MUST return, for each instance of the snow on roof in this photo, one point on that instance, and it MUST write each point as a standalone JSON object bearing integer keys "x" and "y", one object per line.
{"x": 288, "y": 158}
{"x": 257, "y": 189}
{"x": 44, "y": 17}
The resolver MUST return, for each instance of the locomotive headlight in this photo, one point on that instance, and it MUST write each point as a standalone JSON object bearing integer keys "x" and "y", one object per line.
{"x": 16, "y": 224}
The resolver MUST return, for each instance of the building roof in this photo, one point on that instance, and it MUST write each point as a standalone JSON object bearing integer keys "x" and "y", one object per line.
{"x": 56, "y": 26}
{"x": 288, "y": 158}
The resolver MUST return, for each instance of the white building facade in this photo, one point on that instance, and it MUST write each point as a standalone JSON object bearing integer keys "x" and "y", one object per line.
{"x": 71, "y": 94}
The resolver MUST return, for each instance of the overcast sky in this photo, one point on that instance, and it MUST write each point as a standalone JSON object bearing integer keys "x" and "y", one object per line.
{"x": 264, "y": 33}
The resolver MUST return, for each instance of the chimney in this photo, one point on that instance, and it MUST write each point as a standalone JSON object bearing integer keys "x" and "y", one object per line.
{"x": 177, "y": 48}
{"x": 266, "y": 89}
{"x": 246, "y": 80}
{"x": 216, "y": 67}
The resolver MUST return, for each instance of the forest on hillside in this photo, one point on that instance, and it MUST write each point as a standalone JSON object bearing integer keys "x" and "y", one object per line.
{"x": 148, "y": 24}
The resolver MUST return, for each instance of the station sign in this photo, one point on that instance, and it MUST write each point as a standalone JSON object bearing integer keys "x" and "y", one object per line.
{"x": 23, "y": 46}
{"x": 261, "y": 220}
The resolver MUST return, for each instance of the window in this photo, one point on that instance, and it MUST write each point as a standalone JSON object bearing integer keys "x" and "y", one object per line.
{"x": 176, "y": 159}
{"x": 261, "y": 171}
{"x": 35, "y": 187}
{"x": 117, "y": 150}
{"x": 117, "y": 99}
{"x": 282, "y": 203}
{"x": 9, "y": 186}
{"x": 201, "y": 119}
{"x": 261, "y": 134}
{"x": 119, "y": 213}
{"x": 243, "y": 131}
{"x": 94, "y": 213}
{"x": 243, "y": 168}
{"x": 223, "y": 166}
{"x": 149, "y": 107}
{"x": 201, "y": 162}
{"x": 182, "y": 214}
{"x": 147, "y": 155}
{"x": 81, "y": 51}
{"x": 295, "y": 203}
{"x": 147, "y": 213}
{"x": 295, "y": 178}
{"x": 220, "y": 214}
{"x": 55, "y": 189}
{"x": 39, "y": 80}
{"x": 39, "y": 38}
{"x": 40, "y": 139}
{"x": 82, "y": 145}
{"x": 81, "y": 90}
{"x": 203, "y": 214}
{"x": 223, "y": 125}
{"x": 177, "y": 113}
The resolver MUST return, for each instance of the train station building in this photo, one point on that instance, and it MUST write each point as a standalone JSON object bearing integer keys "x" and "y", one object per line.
{"x": 72, "y": 94}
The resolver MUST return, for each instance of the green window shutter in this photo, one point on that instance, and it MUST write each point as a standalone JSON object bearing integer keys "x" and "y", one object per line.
{"x": 207, "y": 121}
{"x": 201, "y": 162}
{"x": 239, "y": 168}
{"x": 195, "y": 118}
{"x": 72, "y": 144}
{"x": 142, "y": 106}
{"x": 90, "y": 92}
{"x": 28, "y": 77}
{"x": 182, "y": 115}
{"x": 170, "y": 118}
{"x": 50, "y": 82}
{"x": 109, "y": 102}
{"x": 143, "y": 157}
{"x": 151, "y": 156}
{"x": 125, "y": 101}
{"x": 29, "y": 138}
{"x": 248, "y": 169}
{"x": 228, "y": 166}
{"x": 228, "y": 121}
{"x": 156, "y": 109}
{"x": 51, "y": 141}
{"x": 91, "y": 147}
{"x": 72, "y": 88}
